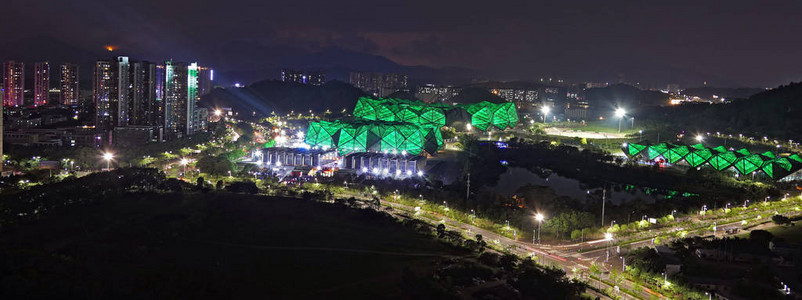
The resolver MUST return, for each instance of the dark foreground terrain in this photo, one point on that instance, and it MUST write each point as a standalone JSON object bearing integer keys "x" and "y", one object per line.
{"x": 132, "y": 233}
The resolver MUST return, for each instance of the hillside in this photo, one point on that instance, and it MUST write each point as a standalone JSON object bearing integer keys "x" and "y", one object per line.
{"x": 729, "y": 93}
{"x": 774, "y": 113}
{"x": 282, "y": 97}
{"x": 474, "y": 95}
{"x": 625, "y": 96}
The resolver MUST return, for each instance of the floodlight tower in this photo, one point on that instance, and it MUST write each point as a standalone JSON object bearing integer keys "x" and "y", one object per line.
{"x": 620, "y": 113}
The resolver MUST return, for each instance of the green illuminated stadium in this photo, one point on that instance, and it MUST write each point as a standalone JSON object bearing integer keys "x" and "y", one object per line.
{"x": 480, "y": 115}
{"x": 374, "y": 136}
{"x": 719, "y": 158}
{"x": 396, "y": 125}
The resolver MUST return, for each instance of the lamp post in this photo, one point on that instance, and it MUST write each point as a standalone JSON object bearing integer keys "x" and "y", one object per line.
{"x": 184, "y": 162}
{"x": 545, "y": 110}
{"x": 609, "y": 237}
{"x": 539, "y": 217}
{"x": 108, "y": 157}
{"x": 620, "y": 113}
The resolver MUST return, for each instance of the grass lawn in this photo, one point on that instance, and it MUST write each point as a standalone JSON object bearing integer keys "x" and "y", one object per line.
{"x": 211, "y": 246}
{"x": 597, "y": 126}
{"x": 789, "y": 233}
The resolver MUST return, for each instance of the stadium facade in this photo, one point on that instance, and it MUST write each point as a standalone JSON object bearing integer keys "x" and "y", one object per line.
{"x": 404, "y": 126}
{"x": 743, "y": 161}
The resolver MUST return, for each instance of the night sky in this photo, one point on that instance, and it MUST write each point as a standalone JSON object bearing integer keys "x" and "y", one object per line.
{"x": 726, "y": 43}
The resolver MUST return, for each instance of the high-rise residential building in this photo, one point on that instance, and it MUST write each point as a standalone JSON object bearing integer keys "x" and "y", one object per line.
{"x": 13, "y": 83}
{"x": 205, "y": 79}
{"x": 395, "y": 81}
{"x": 289, "y": 75}
{"x": 69, "y": 84}
{"x": 122, "y": 72}
{"x": 180, "y": 97}
{"x": 41, "y": 83}
{"x": 143, "y": 106}
{"x": 379, "y": 84}
{"x": 311, "y": 78}
{"x": 104, "y": 94}
{"x": 315, "y": 78}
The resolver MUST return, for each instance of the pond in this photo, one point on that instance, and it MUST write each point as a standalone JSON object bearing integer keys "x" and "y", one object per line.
{"x": 516, "y": 177}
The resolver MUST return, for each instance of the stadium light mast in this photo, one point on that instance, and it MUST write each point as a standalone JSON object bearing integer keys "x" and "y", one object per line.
{"x": 545, "y": 110}
{"x": 620, "y": 113}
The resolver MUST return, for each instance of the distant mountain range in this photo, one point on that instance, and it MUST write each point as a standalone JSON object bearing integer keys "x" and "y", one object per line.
{"x": 728, "y": 93}
{"x": 236, "y": 62}
{"x": 269, "y": 96}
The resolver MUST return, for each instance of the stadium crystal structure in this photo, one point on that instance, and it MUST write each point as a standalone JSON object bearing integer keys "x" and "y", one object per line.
{"x": 481, "y": 115}
{"x": 719, "y": 158}
{"x": 396, "y": 125}
{"x": 374, "y": 136}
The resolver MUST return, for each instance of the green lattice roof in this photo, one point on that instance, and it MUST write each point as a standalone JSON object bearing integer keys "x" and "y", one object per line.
{"x": 378, "y": 136}
{"x": 481, "y": 115}
{"x": 718, "y": 158}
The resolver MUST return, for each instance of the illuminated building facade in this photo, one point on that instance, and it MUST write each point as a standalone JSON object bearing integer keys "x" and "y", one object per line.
{"x": 302, "y": 77}
{"x": 13, "y": 83}
{"x": 742, "y": 161}
{"x": 69, "y": 84}
{"x": 41, "y": 83}
{"x": 104, "y": 95}
{"x": 379, "y": 84}
{"x": 180, "y": 97}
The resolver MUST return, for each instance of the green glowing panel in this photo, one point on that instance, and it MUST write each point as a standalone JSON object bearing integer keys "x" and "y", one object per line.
{"x": 432, "y": 116}
{"x": 698, "y": 146}
{"x": 675, "y": 154}
{"x": 783, "y": 163}
{"x": 777, "y": 168}
{"x": 768, "y": 155}
{"x": 633, "y": 149}
{"x": 374, "y": 136}
{"x": 720, "y": 149}
{"x": 795, "y": 158}
{"x": 748, "y": 164}
{"x": 722, "y": 161}
{"x": 655, "y": 151}
{"x": 743, "y": 152}
{"x": 698, "y": 157}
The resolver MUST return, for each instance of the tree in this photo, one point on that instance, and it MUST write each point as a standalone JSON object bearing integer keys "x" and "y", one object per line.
{"x": 441, "y": 230}
{"x": 646, "y": 259}
{"x": 781, "y": 220}
{"x": 760, "y": 235}
{"x": 243, "y": 187}
{"x": 565, "y": 222}
{"x": 216, "y": 165}
{"x": 199, "y": 182}
{"x": 219, "y": 185}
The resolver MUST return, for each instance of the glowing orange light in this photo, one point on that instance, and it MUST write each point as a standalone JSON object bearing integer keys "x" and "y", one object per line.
{"x": 110, "y": 48}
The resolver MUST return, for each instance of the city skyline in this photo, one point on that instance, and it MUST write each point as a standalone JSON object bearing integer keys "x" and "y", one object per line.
{"x": 689, "y": 43}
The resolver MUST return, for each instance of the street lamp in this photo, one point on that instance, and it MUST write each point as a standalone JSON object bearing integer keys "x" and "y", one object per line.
{"x": 700, "y": 138}
{"x": 184, "y": 162}
{"x": 620, "y": 112}
{"x": 108, "y": 157}
{"x": 545, "y": 110}
{"x": 539, "y": 218}
{"x": 608, "y": 237}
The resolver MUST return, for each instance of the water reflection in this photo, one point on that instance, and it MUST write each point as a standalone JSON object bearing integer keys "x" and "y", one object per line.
{"x": 516, "y": 177}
